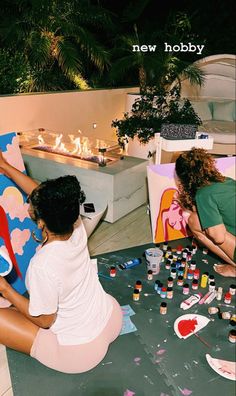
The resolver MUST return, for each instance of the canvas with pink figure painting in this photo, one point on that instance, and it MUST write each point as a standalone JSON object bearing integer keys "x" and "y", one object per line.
{"x": 168, "y": 220}
{"x": 16, "y": 244}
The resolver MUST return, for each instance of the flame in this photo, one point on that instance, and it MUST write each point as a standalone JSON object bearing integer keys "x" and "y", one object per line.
{"x": 40, "y": 139}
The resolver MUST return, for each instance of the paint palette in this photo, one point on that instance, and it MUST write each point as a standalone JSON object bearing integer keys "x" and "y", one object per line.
{"x": 189, "y": 324}
{"x": 222, "y": 367}
{"x": 5, "y": 263}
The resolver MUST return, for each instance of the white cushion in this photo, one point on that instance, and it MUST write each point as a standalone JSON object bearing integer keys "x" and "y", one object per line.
{"x": 223, "y": 111}
{"x": 222, "y": 131}
{"x": 203, "y": 110}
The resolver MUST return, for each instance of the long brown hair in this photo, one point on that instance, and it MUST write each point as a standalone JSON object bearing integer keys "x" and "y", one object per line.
{"x": 195, "y": 169}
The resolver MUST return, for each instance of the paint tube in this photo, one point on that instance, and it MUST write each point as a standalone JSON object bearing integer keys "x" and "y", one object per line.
{"x": 194, "y": 299}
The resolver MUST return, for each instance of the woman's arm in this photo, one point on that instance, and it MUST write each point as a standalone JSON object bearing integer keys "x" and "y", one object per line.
{"x": 22, "y": 304}
{"x": 23, "y": 181}
{"x": 216, "y": 233}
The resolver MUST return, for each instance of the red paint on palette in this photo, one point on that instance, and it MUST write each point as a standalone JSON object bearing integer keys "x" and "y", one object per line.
{"x": 186, "y": 327}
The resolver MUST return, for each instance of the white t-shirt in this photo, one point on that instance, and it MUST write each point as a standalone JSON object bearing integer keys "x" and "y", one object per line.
{"x": 60, "y": 278}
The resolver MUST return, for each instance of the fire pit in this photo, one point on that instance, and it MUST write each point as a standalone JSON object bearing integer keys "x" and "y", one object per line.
{"x": 105, "y": 179}
{"x": 77, "y": 147}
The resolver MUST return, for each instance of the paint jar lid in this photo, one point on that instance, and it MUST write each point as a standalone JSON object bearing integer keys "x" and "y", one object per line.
{"x": 232, "y": 333}
{"x": 186, "y": 285}
{"x": 231, "y": 322}
{"x": 212, "y": 283}
{"x": 138, "y": 282}
{"x": 232, "y": 286}
{"x": 157, "y": 282}
{"x": 150, "y": 272}
{"x": 180, "y": 277}
{"x": 206, "y": 273}
{"x": 170, "y": 279}
{"x": 173, "y": 270}
{"x": 160, "y": 284}
{"x": 170, "y": 257}
{"x": 136, "y": 291}
{"x": 171, "y": 288}
{"x": 163, "y": 304}
{"x": 211, "y": 277}
{"x": 195, "y": 281}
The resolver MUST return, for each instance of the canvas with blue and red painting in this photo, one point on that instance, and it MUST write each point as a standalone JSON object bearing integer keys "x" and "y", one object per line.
{"x": 15, "y": 224}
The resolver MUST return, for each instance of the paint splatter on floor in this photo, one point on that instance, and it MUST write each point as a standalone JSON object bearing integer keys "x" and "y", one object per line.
{"x": 129, "y": 392}
{"x": 185, "y": 391}
{"x": 160, "y": 352}
{"x": 137, "y": 360}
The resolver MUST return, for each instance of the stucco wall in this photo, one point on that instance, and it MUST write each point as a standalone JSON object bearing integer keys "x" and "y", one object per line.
{"x": 65, "y": 111}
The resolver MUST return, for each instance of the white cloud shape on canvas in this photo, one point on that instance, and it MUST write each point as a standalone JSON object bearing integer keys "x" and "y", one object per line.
{"x": 13, "y": 155}
{"x": 19, "y": 239}
{"x": 12, "y": 202}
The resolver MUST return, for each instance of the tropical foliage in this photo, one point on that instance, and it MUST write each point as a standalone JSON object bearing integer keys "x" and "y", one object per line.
{"x": 154, "y": 108}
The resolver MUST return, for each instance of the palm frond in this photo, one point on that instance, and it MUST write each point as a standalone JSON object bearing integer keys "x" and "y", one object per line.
{"x": 67, "y": 57}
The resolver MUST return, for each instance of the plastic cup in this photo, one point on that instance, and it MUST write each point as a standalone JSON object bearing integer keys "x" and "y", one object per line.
{"x": 153, "y": 259}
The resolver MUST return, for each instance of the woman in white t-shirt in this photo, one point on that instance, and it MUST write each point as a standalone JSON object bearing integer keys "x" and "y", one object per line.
{"x": 69, "y": 320}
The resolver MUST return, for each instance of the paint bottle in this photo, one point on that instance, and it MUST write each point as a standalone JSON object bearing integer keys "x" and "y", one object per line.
{"x": 194, "y": 248}
{"x": 163, "y": 292}
{"x": 194, "y": 299}
{"x": 190, "y": 274}
{"x": 113, "y": 271}
{"x": 185, "y": 253}
{"x": 173, "y": 273}
{"x": 156, "y": 285}
{"x": 168, "y": 264}
{"x": 181, "y": 271}
{"x": 136, "y": 295}
{"x": 219, "y": 293}
{"x": 232, "y": 290}
{"x": 226, "y": 315}
{"x": 186, "y": 289}
{"x": 212, "y": 286}
{"x": 163, "y": 308}
{"x": 164, "y": 246}
{"x": 138, "y": 285}
{"x": 211, "y": 278}
{"x": 160, "y": 286}
{"x": 196, "y": 274}
{"x": 183, "y": 262}
{"x": 205, "y": 251}
{"x": 179, "y": 249}
{"x": 213, "y": 310}
{"x": 170, "y": 281}
{"x": 171, "y": 258}
{"x": 193, "y": 265}
{"x": 175, "y": 257}
{"x": 149, "y": 275}
{"x": 180, "y": 280}
{"x": 169, "y": 293}
{"x": 227, "y": 298}
{"x": 204, "y": 280}
{"x": 177, "y": 264}
{"x": 195, "y": 284}
{"x": 232, "y": 336}
{"x": 169, "y": 249}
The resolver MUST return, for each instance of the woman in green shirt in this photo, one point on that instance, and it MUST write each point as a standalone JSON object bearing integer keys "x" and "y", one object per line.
{"x": 210, "y": 197}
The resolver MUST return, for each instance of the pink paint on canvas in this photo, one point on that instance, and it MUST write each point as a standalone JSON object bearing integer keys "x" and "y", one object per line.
{"x": 14, "y": 208}
{"x": 11, "y": 157}
{"x": 129, "y": 393}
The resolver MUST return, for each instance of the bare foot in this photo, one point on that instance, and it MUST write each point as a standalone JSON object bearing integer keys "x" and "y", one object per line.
{"x": 225, "y": 270}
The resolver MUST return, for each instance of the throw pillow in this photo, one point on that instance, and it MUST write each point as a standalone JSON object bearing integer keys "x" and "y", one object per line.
{"x": 203, "y": 110}
{"x": 224, "y": 111}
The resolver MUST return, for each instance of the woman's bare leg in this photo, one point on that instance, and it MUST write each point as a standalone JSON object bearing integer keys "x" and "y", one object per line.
{"x": 225, "y": 251}
{"x": 16, "y": 331}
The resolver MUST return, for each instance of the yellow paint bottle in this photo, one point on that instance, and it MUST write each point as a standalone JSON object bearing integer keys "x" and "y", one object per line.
{"x": 204, "y": 280}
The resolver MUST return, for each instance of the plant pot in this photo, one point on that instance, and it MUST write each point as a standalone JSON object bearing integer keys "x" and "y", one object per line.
{"x": 140, "y": 150}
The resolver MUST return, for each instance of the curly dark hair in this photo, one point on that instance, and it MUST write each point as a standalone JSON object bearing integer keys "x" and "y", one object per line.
{"x": 195, "y": 169}
{"x": 57, "y": 202}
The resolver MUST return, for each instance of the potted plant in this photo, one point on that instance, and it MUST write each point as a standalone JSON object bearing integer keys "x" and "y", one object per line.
{"x": 155, "y": 107}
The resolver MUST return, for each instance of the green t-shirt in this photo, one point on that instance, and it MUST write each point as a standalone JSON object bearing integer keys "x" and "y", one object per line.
{"x": 216, "y": 204}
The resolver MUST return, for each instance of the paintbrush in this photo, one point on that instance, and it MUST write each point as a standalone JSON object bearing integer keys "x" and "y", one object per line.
{"x": 202, "y": 340}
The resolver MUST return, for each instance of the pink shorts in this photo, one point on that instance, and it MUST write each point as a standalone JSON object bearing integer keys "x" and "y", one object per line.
{"x": 76, "y": 358}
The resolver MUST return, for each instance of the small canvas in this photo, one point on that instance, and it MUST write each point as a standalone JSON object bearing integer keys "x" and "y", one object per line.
{"x": 168, "y": 220}
{"x": 15, "y": 223}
